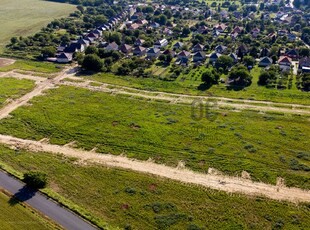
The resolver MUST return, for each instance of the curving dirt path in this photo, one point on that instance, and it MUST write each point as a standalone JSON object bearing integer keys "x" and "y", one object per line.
{"x": 6, "y": 61}
{"x": 218, "y": 182}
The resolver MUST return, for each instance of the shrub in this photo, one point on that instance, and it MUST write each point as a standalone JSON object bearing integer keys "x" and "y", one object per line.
{"x": 35, "y": 179}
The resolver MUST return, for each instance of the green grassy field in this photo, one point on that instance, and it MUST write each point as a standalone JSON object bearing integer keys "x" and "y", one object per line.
{"x": 188, "y": 83}
{"x": 33, "y": 66}
{"x": 266, "y": 145}
{"x": 131, "y": 200}
{"x": 11, "y": 88}
{"x": 23, "y": 18}
{"x": 17, "y": 216}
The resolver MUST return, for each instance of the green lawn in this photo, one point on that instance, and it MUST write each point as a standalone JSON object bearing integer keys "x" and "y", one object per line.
{"x": 11, "y": 88}
{"x": 16, "y": 216}
{"x": 265, "y": 145}
{"x": 33, "y": 66}
{"x": 188, "y": 83}
{"x": 138, "y": 201}
{"x": 25, "y": 17}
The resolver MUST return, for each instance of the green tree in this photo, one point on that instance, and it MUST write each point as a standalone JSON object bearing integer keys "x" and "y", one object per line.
{"x": 91, "y": 50}
{"x": 210, "y": 77}
{"x": 224, "y": 62}
{"x": 248, "y": 61}
{"x": 48, "y": 51}
{"x": 35, "y": 179}
{"x": 305, "y": 82}
{"x": 92, "y": 62}
{"x": 240, "y": 76}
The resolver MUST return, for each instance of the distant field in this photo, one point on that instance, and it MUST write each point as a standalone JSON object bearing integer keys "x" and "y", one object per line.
{"x": 132, "y": 200}
{"x": 33, "y": 66}
{"x": 25, "y": 17}
{"x": 266, "y": 145}
{"x": 16, "y": 216}
{"x": 11, "y": 88}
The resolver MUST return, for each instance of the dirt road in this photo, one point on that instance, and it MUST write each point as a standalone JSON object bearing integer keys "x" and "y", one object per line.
{"x": 218, "y": 182}
{"x": 38, "y": 90}
{"x": 219, "y": 102}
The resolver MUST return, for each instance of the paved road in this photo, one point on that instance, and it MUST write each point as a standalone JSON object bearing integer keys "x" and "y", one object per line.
{"x": 60, "y": 215}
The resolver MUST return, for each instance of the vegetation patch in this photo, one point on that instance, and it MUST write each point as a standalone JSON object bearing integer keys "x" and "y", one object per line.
{"x": 131, "y": 200}
{"x": 11, "y": 88}
{"x": 169, "y": 133}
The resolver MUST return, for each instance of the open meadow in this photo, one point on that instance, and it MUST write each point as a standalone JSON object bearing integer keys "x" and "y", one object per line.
{"x": 113, "y": 197}
{"x": 267, "y": 145}
{"x": 23, "y": 18}
{"x": 14, "y": 216}
{"x": 11, "y": 88}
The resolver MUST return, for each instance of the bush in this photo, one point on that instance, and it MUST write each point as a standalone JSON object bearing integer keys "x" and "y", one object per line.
{"x": 35, "y": 179}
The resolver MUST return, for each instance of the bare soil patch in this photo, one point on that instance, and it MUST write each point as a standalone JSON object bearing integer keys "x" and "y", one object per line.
{"x": 6, "y": 61}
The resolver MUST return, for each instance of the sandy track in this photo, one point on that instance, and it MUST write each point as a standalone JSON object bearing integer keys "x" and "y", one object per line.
{"x": 17, "y": 75}
{"x": 218, "y": 182}
{"x": 41, "y": 86}
{"x": 188, "y": 99}
{"x": 238, "y": 104}
{"x": 6, "y": 61}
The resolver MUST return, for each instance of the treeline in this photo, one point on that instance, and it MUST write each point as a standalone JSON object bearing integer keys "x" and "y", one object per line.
{"x": 83, "y": 19}
{"x": 84, "y": 2}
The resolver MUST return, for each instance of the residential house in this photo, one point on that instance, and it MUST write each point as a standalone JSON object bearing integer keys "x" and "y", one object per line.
{"x": 98, "y": 32}
{"x": 142, "y": 22}
{"x": 197, "y": 48}
{"x": 74, "y": 47}
{"x": 167, "y": 31}
{"x": 169, "y": 52}
{"x": 264, "y": 52}
{"x": 220, "y": 49}
{"x": 213, "y": 57}
{"x": 178, "y": 45}
{"x": 161, "y": 43}
{"x": 291, "y": 37}
{"x": 155, "y": 25}
{"x": 220, "y": 27}
{"x": 292, "y": 54}
{"x": 83, "y": 42}
{"x": 203, "y": 30}
{"x": 112, "y": 46}
{"x": 199, "y": 56}
{"x": 234, "y": 57}
{"x": 285, "y": 63}
{"x": 93, "y": 35}
{"x": 126, "y": 49}
{"x": 133, "y": 26}
{"x": 255, "y": 32}
{"x": 139, "y": 42}
{"x": 139, "y": 51}
{"x": 215, "y": 33}
{"x": 184, "y": 56}
{"x": 242, "y": 50}
{"x": 64, "y": 58}
{"x": 237, "y": 29}
{"x": 265, "y": 61}
{"x": 304, "y": 64}
{"x": 153, "y": 53}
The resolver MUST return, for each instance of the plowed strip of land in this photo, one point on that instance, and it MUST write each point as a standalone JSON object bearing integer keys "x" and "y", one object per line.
{"x": 218, "y": 182}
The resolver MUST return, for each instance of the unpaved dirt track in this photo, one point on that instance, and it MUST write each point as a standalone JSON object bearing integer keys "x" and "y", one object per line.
{"x": 219, "y": 182}
{"x": 6, "y": 61}
{"x": 188, "y": 99}
{"x": 38, "y": 90}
